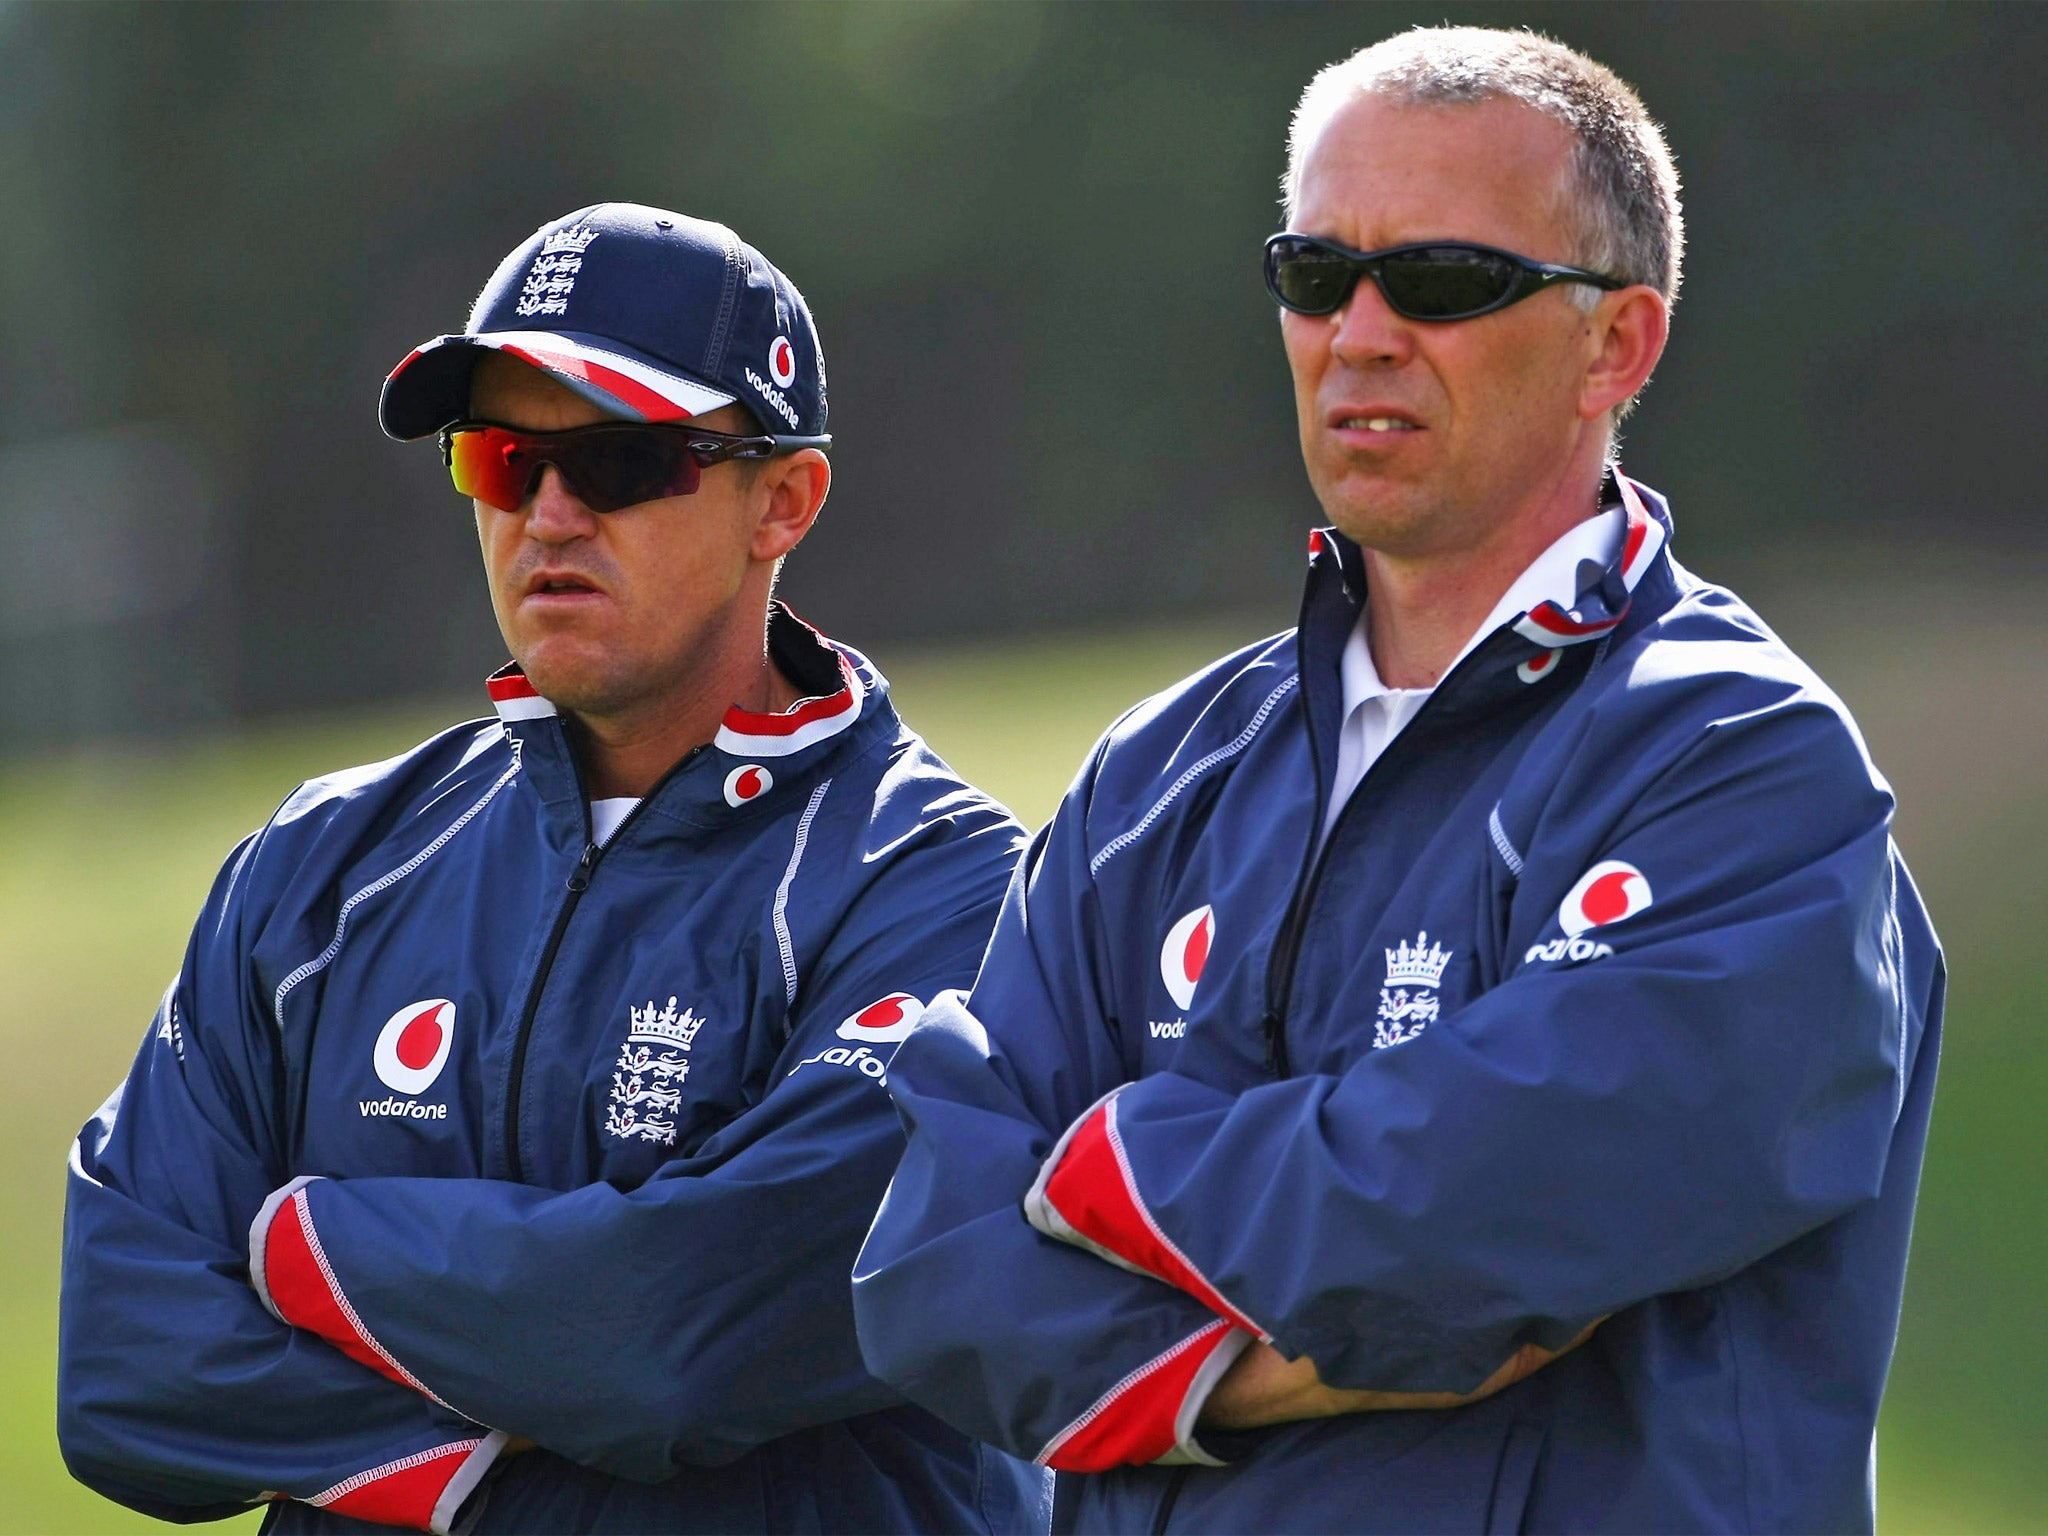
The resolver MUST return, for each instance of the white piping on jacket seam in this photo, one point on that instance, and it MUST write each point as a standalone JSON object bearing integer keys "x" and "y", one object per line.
{"x": 1230, "y": 749}
{"x": 1123, "y": 1167}
{"x": 1502, "y": 846}
{"x": 796, "y": 857}
{"x": 1895, "y": 962}
{"x": 1095, "y": 1409}
{"x": 320, "y": 961}
{"x": 347, "y": 1310}
{"x": 347, "y": 1486}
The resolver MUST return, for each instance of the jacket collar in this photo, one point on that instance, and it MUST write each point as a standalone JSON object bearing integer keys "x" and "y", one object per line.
{"x": 1600, "y": 608}
{"x": 832, "y": 702}
{"x": 1522, "y": 651}
{"x": 756, "y": 760}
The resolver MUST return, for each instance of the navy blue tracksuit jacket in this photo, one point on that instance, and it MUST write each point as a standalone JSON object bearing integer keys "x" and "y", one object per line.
{"x": 1608, "y": 997}
{"x": 592, "y": 1137}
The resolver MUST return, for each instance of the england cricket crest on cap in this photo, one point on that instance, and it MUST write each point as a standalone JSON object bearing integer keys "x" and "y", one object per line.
{"x": 552, "y": 277}
{"x": 1408, "y": 996}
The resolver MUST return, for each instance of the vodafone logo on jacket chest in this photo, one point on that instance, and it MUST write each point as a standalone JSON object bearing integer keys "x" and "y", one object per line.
{"x": 1185, "y": 954}
{"x": 413, "y": 1045}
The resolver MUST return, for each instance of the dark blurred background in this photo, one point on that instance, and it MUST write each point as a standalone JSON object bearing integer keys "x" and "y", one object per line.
{"x": 1029, "y": 233}
{"x": 1066, "y": 466}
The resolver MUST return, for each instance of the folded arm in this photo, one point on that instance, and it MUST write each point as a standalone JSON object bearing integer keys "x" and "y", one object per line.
{"x": 683, "y": 1321}
{"x": 1447, "y": 1215}
{"x": 1029, "y": 1344}
{"x": 1578, "y": 1139}
{"x": 178, "y": 1395}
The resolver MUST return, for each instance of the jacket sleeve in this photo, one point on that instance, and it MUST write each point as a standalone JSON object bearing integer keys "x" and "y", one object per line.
{"x": 177, "y": 1394}
{"x": 1719, "y": 1075}
{"x": 1030, "y": 1344}
{"x": 708, "y": 1310}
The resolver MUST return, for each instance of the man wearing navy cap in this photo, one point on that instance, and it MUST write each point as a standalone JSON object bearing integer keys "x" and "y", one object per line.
{"x": 497, "y": 1159}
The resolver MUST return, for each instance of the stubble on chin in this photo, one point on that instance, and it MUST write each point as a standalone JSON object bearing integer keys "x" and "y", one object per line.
{"x": 1379, "y": 515}
{"x": 574, "y": 672}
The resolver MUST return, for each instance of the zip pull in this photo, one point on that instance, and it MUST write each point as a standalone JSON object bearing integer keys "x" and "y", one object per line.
{"x": 579, "y": 877}
{"x": 1276, "y": 1045}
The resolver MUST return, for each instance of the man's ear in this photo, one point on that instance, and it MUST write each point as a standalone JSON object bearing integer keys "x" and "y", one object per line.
{"x": 789, "y": 492}
{"x": 1628, "y": 330}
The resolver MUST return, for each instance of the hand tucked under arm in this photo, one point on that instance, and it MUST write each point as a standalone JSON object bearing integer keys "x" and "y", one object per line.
{"x": 1265, "y": 1387}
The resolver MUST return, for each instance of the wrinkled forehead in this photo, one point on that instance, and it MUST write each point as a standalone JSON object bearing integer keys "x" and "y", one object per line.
{"x": 1378, "y": 171}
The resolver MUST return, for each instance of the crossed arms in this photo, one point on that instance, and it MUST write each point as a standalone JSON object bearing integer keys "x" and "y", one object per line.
{"x": 1080, "y": 1267}
{"x": 424, "y": 1325}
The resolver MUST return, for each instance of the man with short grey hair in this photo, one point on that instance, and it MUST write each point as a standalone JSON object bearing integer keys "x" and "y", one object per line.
{"x": 1620, "y": 192}
{"x": 1464, "y": 1063}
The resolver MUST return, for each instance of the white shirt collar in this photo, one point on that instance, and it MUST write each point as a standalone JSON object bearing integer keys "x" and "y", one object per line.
{"x": 607, "y": 815}
{"x": 1553, "y": 575}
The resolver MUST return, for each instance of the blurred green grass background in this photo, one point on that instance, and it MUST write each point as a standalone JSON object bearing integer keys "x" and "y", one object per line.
{"x": 106, "y": 855}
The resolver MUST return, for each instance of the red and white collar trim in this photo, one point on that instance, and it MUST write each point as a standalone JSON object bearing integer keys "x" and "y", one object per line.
{"x": 515, "y": 697}
{"x": 1551, "y": 626}
{"x": 804, "y": 724}
{"x": 744, "y": 733}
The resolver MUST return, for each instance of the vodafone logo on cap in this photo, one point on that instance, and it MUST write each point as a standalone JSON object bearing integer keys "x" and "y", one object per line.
{"x": 888, "y": 1018}
{"x": 782, "y": 362}
{"x": 1606, "y": 893}
{"x": 749, "y": 781}
{"x": 412, "y": 1048}
{"x": 1185, "y": 953}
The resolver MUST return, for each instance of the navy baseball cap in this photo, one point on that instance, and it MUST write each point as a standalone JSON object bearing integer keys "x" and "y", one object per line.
{"x": 651, "y": 315}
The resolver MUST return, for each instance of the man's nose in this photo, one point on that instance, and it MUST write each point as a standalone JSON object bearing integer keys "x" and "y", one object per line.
{"x": 554, "y": 513}
{"x": 1367, "y": 331}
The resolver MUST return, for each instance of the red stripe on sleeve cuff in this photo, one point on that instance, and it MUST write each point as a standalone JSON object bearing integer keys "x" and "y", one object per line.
{"x": 420, "y": 1492}
{"x": 290, "y": 1271}
{"x": 1086, "y": 1195}
{"x": 1150, "y": 1415}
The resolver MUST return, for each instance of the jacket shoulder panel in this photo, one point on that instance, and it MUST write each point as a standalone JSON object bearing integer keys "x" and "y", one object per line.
{"x": 1700, "y": 701}
{"x": 1708, "y": 665}
{"x": 1163, "y": 747}
{"x": 344, "y": 814}
{"x": 340, "y": 839}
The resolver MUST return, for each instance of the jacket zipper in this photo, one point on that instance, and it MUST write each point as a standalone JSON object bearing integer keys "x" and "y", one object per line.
{"x": 1287, "y": 944}
{"x": 579, "y": 882}
{"x": 1178, "y": 1481}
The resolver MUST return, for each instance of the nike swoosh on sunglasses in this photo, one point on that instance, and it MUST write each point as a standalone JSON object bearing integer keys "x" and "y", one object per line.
{"x": 608, "y": 465}
{"x": 1430, "y": 280}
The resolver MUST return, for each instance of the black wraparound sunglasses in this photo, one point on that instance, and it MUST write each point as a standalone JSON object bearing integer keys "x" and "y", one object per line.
{"x": 1432, "y": 280}
{"x": 608, "y": 466}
